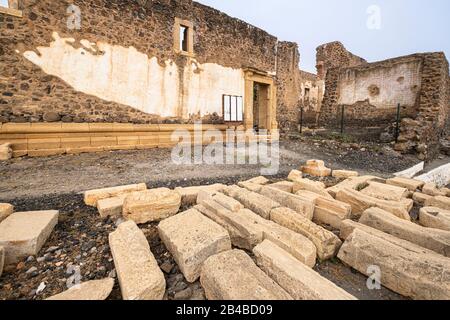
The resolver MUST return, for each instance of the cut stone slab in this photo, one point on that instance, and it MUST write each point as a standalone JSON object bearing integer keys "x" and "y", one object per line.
{"x": 2, "y": 260}
{"x": 232, "y": 275}
{"x": 286, "y": 186}
{"x": 420, "y": 198}
{"x": 23, "y": 234}
{"x": 6, "y": 152}
{"x": 433, "y": 239}
{"x": 385, "y": 191}
{"x": 228, "y": 202}
{"x": 5, "y": 211}
{"x": 361, "y": 202}
{"x": 151, "y": 205}
{"x": 432, "y": 190}
{"x": 192, "y": 238}
{"x": 294, "y": 175}
{"x": 189, "y": 195}
{"x": 301, "y": 282}
{"x": 91, "y": 197}
{"x": 95, "y": 290}
{"x": 439, "y": 202}
{"x": 139, "y": 276}
{"x": 344, "y": 174}
{"x": 406, "y": 268}
{"x": 436, "y": 218}
{"x": 111, "y": 207}
{"x": 410, "y": 184}
{"x": 258, "y": 180}
{"x": 250, "y": 186}
{"x": 300, "y": 205}
{"x": 316, "y": 168}
{"x": 255, "y": 202}
{"x": 313, "y": 186}
{"x": 326, "y": 242}
{"x": 355, "y": 183}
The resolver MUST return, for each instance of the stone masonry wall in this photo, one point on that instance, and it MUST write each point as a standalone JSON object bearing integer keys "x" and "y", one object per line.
{"x": 28, "y": 94}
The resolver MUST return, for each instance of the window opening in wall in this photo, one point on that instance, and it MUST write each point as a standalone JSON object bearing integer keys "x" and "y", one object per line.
{"x": 184, "y": 36}
{"x": 307, "y": 94}
{"x": 233, "y": 108}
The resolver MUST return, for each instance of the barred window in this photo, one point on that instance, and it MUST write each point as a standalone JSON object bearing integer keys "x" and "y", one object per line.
{"x": 233, "y": 108}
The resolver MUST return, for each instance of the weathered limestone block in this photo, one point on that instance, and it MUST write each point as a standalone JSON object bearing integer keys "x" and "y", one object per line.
{"x": 326, "y": 242}
{"x": 139, "y": 275}
{"x": 328, "y": 211}
{"x": 344, "y": 174}
{"x": 250, "y": 186}
{"x": 95, "y": 290}
{"x": 294, "y": 175}
{"x": 192, "y": 238}
{"x": 244, "y": 232}
{"x": 258, "y": 180}
{"x": 420, "y": 198}
{"x": 410, "y": 184}
{"x": 23, "y": 234}
{"x": 439, "y": 202}
{"x": 385, "y": 191}
{"x": 431, "y": 189}
{"x": 189, "y": 195}
{"x": 361, "y": 202}
{"x": 91, "y": 197}
{"x": 232, "y": 275}
{"x": 406, "y": 268}
{"x": 433, "y": 239}
{"x": 316, "y": 168}
{"x": 255, "y": 202}
{"x": 228, "y": 202}
{"x": 301, "y": 282}
{"x": 286, "y": 186}
{"x": 289, "y": 200}
{"x": 355, "y": 183}
{"x": 436, "y": 218}
{"x": 111, "y": 207}
{"x": 5, "y": 211}
{"x": 5, "y": 152}
{"x": 151, "y": 205}
{"x": 2, "y": 260}
{"x": 313, "y": 186}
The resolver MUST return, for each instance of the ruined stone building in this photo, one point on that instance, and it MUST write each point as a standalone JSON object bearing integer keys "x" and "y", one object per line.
{"x": 90, "y": 75}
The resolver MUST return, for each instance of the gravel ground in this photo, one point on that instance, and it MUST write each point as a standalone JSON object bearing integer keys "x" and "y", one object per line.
{"x": 80, "y": 239}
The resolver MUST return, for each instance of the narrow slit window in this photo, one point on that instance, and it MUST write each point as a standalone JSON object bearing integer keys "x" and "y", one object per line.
{"x": 233, "y": 108}
{"x": 184, "y": 36}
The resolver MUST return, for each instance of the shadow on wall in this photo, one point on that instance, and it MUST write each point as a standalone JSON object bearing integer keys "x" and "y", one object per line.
{"x": 126, "y": 76}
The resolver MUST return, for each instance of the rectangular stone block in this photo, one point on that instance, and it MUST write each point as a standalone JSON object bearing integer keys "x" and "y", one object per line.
{"x": 420, "y": 198}
{"x": 432, "y": 239}
{"x": 84, "y": 150}
{"x": 103, "y": 141}
{"x": 111, "y": 207}
{"x": 139, "y": 276}
{"x": 355, "y": 183}
{"x": 250, "y": 186}
{"x": 313, "y": 186}
{"x": 192, "y": 238}
{"x": 326, "y": 242}
{"x": 5, "y": 211}
{"x": 432, "y": 190}
{"x": 410, "y": 184}
{"x": 385, "y": 191}
{"x": 258, "y": 180}
{"x": 92, "y": 196}
{"x": 361, "y": 202}
{"x": 406, "y": 268}
{"x": 291, "y": 201}
{"x": 75, "y": 142}
{"x": 151, "y": 205}
{"x": 439, "y": 202}
{"x": 301, "y": 282}
{"x": 94, "y": 290}
{"x": 316, "y": 168}
{"x": 294, "y": 175}
{"x": 344, "y": 174}
{"x": 436, "y": 218}
{"x": 189, "y": 195}
{"x": 228, "y": 202}
{"x": 39, "y": 144}
{"x": 286, "y": 186}
{"x": 232, "y": 275}
{"x": 23, "y": 234}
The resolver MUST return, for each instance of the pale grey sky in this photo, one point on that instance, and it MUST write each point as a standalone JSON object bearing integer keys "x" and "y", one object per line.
{"x": 406, "y": 26}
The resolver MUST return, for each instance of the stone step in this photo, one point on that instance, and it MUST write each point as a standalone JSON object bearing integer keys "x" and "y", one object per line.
{"x": 92, "y": 196}
{"x": 439, "y": 202}
{"x": 189, "y": 195}
{"x": 410, "y": 184}
{"x": 313, "y": 186}
{"x": 192, "y": 238}
{"x": 326, "y": 242}
{"x": 385, "y": 191}
{"x": 95, "y": 290}
{"x": 355, "y": 183}
{"x": 151, "y": 205}
{"x": 413, "y": 272}
{"x": 433, "y": 239}
{"x": 361, "y": 202}
{"x": 437, "y": 218}
{"x": 5, "y": 211}
{"x": 301, "y": 282}
{"x": 139, "y": 276}
{"x": 232, "y": 275}
{"x": 23, "y": 234}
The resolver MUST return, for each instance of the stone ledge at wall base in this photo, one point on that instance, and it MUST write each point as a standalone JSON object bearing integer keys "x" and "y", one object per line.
{"x": 48, "y": 139}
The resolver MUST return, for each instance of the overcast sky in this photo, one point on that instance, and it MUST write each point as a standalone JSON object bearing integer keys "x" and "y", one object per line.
{"x": 404, "y": 27}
